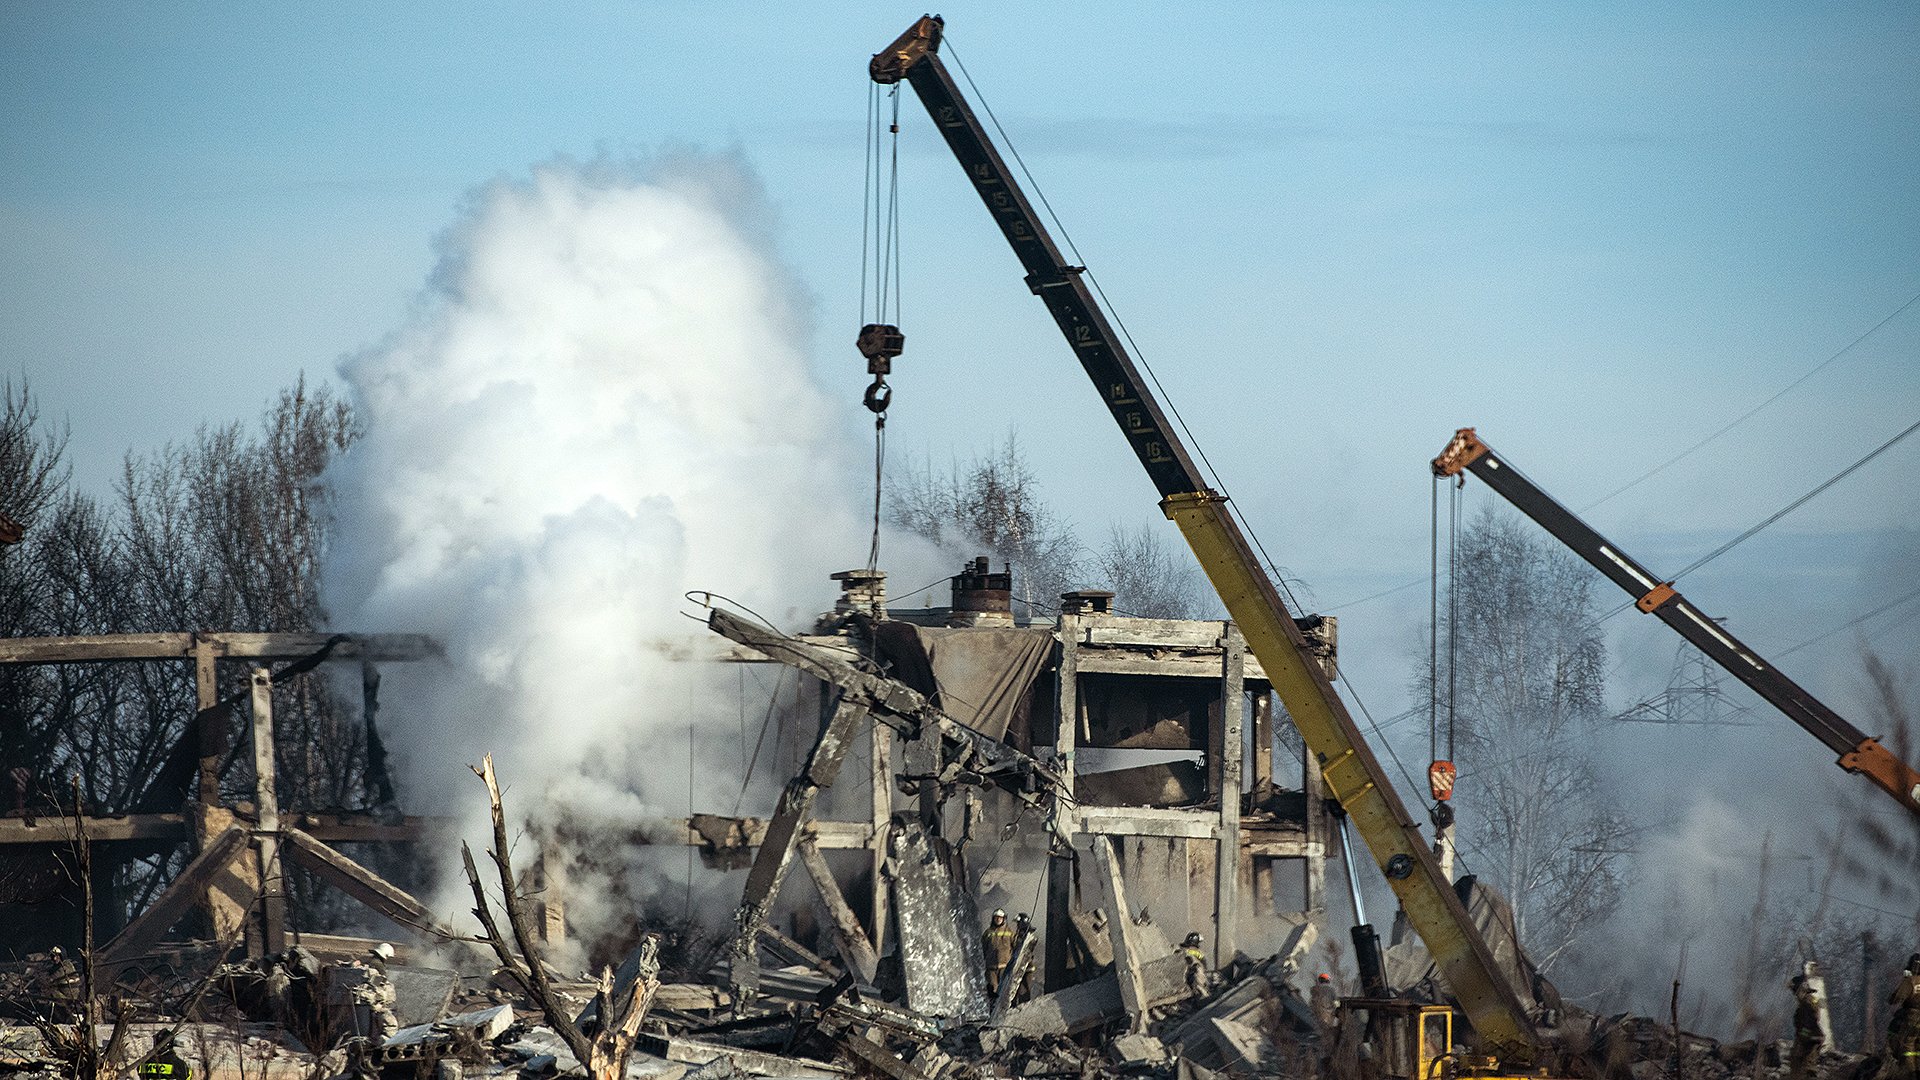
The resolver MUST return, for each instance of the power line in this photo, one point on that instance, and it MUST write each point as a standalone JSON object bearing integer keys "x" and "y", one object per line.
{"x": 1744, "y": 417}
{"x": 1797, "y": 503}
{"x": 1823, "y": 635}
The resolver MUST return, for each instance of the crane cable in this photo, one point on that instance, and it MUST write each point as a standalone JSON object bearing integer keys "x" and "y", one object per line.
{"x": 880, "y": 339}
{"x": 1441, "y": 770}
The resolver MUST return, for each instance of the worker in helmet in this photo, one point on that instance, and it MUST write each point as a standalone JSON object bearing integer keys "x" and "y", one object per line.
{"x": 164, "y": 1061}
{"x": 1808, "y": 1035}
{"x": 1326, "y": 1005}
{"x": 1022, "y": 927}
{"x": 997, "y": 944}
{"x": 1903, "y": 1026}
{"x": 1199, "y": 979}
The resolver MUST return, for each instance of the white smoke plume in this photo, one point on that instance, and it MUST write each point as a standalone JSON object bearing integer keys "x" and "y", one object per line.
{"x": 601, "y": 401}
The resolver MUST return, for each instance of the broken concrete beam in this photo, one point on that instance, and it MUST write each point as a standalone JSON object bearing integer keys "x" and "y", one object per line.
{"x": 878, "y": 1058}
{"x": 1127, "y": 949}
{"x": 1094, "y": 1002}
{"x": 1231, "y": 1005}
{"x": 771, "y": 860}
{"x": 1242, "y": 1049}
{"x": 1137, "y": 1049}
{"x": 146, "y": 930}
{"x": 849, "y": 937}
{"x": 790, "y": 951}
{"x": 694, "y": 1052}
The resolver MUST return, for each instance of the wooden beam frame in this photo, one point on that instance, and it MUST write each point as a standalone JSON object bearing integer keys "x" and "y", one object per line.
{"x": 855, "y": 950}
{"x": 187, "y": 890}
{"x": 361, "y": 883}
{"x": 118, "y": 648}
{"x": 771, "y": 859}
{"x": 334, "y": 828}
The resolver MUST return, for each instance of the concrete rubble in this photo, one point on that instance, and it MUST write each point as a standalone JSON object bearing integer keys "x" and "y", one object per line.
{"x": 1252, "y": 1020}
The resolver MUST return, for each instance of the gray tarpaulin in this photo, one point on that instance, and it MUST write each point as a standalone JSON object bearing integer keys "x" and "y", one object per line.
{"x": 980, "y": 676}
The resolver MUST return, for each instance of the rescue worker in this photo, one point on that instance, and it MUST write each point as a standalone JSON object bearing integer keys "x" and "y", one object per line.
{"x": 164, "y": 1061}
{"x": 1808, "y": 1036}
{"x": 1903, "y": 1027}
{"x": 57, "y": 979}
{"x": 1326, "y": 1004}
{"x": 997, "y": 944}
{"x": 1023, "y": 926}
{"x": 1199, "y": 979}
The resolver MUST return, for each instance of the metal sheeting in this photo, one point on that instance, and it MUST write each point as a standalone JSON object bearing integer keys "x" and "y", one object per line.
{"x": 939, "y": 929}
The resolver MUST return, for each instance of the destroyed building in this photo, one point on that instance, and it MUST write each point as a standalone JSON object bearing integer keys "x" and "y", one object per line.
{"x": 1205, "y": 840}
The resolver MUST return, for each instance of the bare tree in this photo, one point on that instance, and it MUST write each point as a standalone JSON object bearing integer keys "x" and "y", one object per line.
{"x": 618, "y": 1006}
{"x": 992, "y": 503}
{"x": 1150, "y": 577}
{"x": 224, "y": 532}
{"x": 1528, "y": 687}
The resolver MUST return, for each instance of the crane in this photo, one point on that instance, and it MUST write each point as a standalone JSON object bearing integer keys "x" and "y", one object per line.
{"x": 1353, "y": 775}
{"x": 1859, "y": 752}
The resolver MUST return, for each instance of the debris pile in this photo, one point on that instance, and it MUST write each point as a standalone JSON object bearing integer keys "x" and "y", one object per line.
{"x": 302, "y": 1015}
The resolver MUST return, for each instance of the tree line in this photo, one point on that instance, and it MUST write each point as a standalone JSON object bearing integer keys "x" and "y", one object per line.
{"x": 222, "y": 532}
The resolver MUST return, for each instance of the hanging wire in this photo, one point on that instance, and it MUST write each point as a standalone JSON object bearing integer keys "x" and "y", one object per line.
{"x": 1797, "y": 503}
{"x": 866, "y": 194}
{"x": 893, "y": 205}
{"x": 879, "y": 485}
{"x": 1856, "y": 621}
{"x": 880, "y": 251}
{"x": 1745, "y": 416}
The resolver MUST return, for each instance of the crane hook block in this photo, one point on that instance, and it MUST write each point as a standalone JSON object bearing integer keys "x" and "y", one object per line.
{"x": 880, "y": 343}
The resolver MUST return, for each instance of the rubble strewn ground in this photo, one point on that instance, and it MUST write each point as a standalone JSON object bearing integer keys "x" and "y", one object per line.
{"x": 299, "y": 1016}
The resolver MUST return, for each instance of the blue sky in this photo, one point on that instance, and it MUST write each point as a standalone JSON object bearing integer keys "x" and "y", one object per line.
{"x": 1337, "y": 231}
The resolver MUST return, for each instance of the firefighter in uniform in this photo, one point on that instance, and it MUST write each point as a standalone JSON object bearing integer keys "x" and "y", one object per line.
{"x": 1022, "y": 926}
{"x": 164, "y": 1062}
{"x": 1199, "y": 979}
{"x": 1807, "y": 1034}
{"x": 1903, "y": 1027}
{"x": 997, "y": 944}
{"x": 1326, "y": 1005}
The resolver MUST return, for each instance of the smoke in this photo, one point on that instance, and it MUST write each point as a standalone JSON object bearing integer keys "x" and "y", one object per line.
{"x": 600, "y": 402}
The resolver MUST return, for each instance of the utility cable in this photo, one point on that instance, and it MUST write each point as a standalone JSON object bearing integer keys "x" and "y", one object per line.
{"x": 1773, "y": 517}
{"x": 1744, "y": 417}
{"x": 1797, "y": 503}
{"x": 1822, "y": 636}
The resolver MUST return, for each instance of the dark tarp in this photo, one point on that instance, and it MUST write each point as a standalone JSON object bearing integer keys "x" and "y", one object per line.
{"x": 980, "y": 676}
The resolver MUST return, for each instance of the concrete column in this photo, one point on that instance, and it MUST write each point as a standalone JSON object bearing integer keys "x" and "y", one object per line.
{"x": 1317, "y": 839}
{"x": 1066, "y": 725}
{"x": 1228, "y": 745}
{"x": 266, "y": 801}
{"x": 881, "y": 749}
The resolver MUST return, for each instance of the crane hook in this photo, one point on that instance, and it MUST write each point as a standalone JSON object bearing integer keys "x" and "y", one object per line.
{"x": 878, "y": 396}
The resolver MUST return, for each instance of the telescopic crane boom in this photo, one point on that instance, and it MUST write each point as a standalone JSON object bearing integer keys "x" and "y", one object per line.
{"x": 1352, "y": 773}
{"x": 1859, "y": 753}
